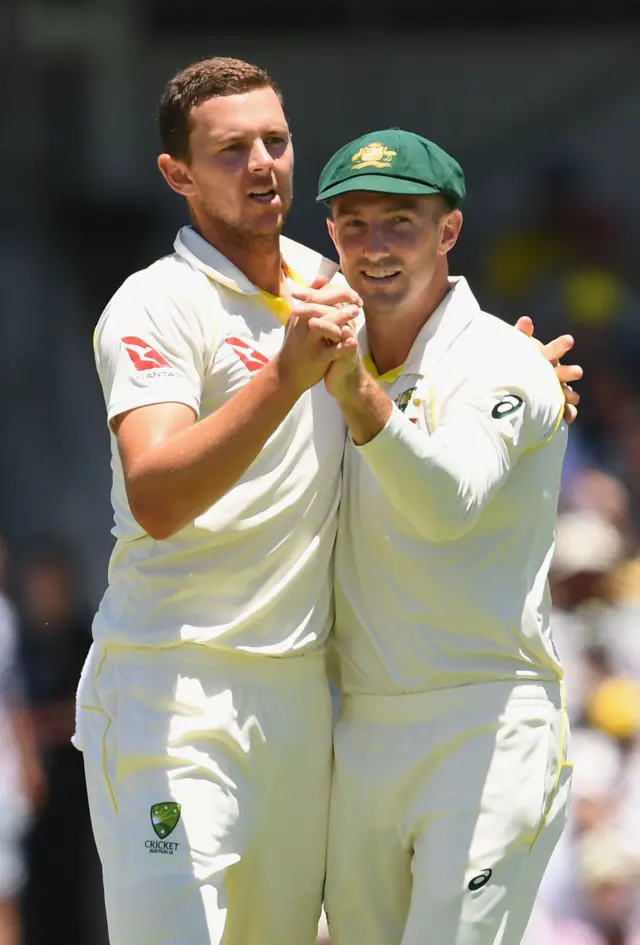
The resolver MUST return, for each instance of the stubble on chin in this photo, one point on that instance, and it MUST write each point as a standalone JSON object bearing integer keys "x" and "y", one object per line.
{"x": 246, "y": 235}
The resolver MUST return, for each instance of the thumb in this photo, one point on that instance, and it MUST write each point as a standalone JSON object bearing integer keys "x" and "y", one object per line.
{"x": 319, "y": 282}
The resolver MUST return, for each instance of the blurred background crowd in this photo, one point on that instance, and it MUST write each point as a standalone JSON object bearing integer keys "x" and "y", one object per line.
{"x": 541, "y": 104}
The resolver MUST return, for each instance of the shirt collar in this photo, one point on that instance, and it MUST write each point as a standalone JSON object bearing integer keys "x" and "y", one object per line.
{"x": 451, "y": 317}
{"x": 458, "y": 308}
{"x": 301, "y": 264}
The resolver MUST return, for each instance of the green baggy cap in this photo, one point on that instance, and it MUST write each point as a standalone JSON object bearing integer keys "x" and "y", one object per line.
{"x": 392, "y": 162}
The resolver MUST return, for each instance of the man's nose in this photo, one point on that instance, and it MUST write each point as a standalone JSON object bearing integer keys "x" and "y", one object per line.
{"x": 259, "y": 157}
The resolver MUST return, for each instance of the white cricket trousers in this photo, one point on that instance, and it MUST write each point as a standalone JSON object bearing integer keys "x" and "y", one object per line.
{"x": 209, "y": 777}
{"x": 445, "y": 809}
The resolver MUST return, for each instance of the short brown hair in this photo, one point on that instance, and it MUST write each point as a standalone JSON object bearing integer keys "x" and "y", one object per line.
{"x": 197, "y": 83}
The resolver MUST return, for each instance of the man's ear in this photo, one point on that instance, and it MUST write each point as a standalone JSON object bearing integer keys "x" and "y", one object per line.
{"x": 176, "y": 173}
{"x": 450, "y": 231}
{"x": 332, "y": 230}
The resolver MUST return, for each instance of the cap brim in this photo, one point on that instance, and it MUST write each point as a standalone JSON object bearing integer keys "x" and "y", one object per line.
{"x": 376, "y": 183}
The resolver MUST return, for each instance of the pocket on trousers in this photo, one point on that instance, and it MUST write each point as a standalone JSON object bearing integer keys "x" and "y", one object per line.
{"x": 558, "y": 775}
{"x": 517, "y": 785}
{"x": 558, "y": 801}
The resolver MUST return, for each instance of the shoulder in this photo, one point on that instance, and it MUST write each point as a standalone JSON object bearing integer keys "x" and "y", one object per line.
{"x": 500, "y": 369}
{"x": 502, "y": 337}
{"x": 166, "y": 294}
{"x": 170, "y": 280}
{"x": 503, "y": 352}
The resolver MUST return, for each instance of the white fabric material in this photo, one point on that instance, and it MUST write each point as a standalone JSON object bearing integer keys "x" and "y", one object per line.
{"x": 445, "y": 809}
{"x": 240, "y": 748}
{"x": 448, "y": 515}
{"x": 253, "y": 572}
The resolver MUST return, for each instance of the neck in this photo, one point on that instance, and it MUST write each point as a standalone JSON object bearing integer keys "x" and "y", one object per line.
{"x": 391, "y": 337}
{"x": 257, "y": 257}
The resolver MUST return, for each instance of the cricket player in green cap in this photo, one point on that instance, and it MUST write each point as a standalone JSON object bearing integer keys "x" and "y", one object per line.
{"x": 452, "y": 761}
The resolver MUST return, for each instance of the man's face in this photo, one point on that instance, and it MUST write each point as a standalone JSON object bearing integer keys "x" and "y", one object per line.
{"x": 240, "y": 167}
{"x": 389, "y": 245}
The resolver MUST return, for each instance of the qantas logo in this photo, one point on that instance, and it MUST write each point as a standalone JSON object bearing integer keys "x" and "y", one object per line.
{"x": 251, "y": 358}
{"x": 144, "y": 357}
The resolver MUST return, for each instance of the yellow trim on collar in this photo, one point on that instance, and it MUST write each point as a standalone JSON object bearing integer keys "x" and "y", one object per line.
{"x": 290, "y": 274}
{"x": 389, "y": 377}
{"x": 276, "y": 303}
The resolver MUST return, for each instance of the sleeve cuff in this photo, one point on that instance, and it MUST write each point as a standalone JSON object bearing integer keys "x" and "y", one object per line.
{"x": 148, "y": 400}
{"x": 382, "y": 445}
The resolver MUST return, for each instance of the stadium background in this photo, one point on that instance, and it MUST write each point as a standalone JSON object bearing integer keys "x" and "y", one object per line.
{"x": 540, "y": 101}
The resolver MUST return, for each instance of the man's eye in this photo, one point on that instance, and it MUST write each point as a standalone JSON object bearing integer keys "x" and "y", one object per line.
{"x": 354, "y": 223}
{"x": 401, "y": 220}
{"x": 275, "y": 139}
{"x": 236, "y": 146}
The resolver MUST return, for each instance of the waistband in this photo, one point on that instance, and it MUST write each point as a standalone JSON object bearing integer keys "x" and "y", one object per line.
{"x": 194, "y": 657}
{"x": 475, "y": 698}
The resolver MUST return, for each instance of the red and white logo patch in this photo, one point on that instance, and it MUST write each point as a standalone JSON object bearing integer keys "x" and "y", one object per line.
{"x": 144, "y": 357}
{"x": 252, "y": 359}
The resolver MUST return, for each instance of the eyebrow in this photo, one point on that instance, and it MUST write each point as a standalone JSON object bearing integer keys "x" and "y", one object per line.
{"x": 395, "y": 207}
{"x": 238, "y": 137}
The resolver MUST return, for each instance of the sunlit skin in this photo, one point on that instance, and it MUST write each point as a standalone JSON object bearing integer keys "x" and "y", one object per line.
{"x": 393, "y": 252}
{"x": 238, "y": 180}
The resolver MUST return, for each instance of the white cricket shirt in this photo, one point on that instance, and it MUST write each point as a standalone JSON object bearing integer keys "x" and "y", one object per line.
{"x": 447, "y": 522}
{"x": 253, "y": 573}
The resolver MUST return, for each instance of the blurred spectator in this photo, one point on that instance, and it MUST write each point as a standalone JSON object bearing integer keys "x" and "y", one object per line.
{"x": 597, "y": 768}
{"x": 588, "y": 547}
{"x": 609, "y": 875}
{"x": 613, "y": 707}
{"x": 598, "y": 493}
{"x": 56, "y": 639}
{"x": 624, "y": 453}
{"x": 562, "y": 223}
{"x": 621, "y": 628}
{"x": 22, "y": 782}
{"x": 591, "y": 891}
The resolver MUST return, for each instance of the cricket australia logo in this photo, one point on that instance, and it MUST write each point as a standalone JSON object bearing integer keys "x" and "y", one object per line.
{"x": 372, "y": 155}
{"x": 403, "y": 399}
{"x": 164, "y": 820}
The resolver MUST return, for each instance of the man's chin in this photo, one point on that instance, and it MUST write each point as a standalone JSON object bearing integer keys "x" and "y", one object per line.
{"x": 267, "y": 224}
{"x": 381, "y": 297}
{"x": 249, "y": 232}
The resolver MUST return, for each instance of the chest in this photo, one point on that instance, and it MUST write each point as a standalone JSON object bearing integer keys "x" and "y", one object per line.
{"x": 249, "y": 335}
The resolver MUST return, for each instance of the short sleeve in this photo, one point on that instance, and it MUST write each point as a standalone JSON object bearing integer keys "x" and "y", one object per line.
{"x": 149, "y": 349}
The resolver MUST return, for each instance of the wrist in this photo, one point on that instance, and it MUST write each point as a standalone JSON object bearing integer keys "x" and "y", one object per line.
{"x": 353, "y": 386}
{"x": 284, "y": 379}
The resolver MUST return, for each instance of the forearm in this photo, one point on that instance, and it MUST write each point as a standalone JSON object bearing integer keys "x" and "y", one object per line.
{"x": 440, "y": 482}
{"x": 181, "y": 477}
{"x": 365, "y": 407}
